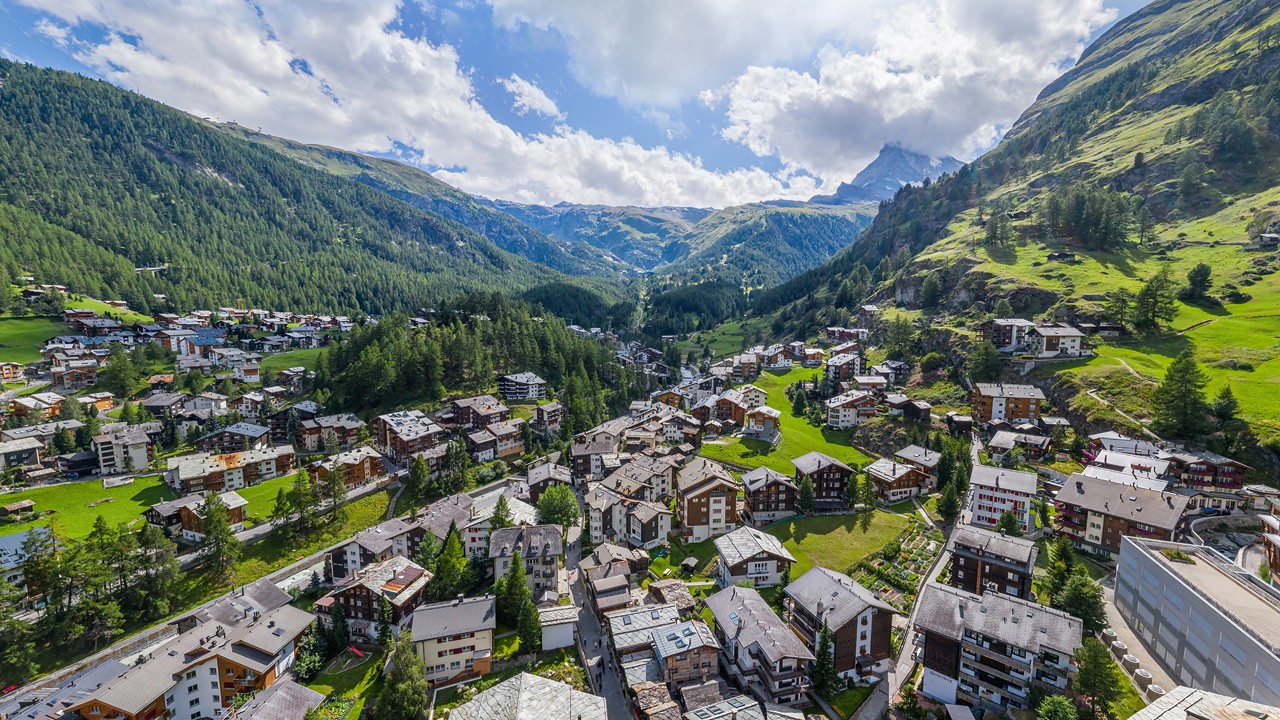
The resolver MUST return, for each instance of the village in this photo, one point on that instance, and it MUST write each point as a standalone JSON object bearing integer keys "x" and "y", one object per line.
{"x": 727, "y": 548}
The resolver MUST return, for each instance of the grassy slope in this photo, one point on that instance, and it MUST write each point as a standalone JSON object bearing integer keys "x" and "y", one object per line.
{"x": 75, "y": 514}
{"x": 22, "y": 338}
{"x": 798, "y": 436}
{"x": 293, "y": 358}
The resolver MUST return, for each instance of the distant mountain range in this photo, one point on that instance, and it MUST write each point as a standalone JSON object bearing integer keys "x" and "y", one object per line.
{"x": 894, "y": 167}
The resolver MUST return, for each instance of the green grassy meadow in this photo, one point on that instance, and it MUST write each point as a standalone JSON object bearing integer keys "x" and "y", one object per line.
{"x": 798, "y": 436}
{"x": 837, "y": 542}
{"x": 262, "y": 497}
{"x": 75, "y": 511}
{"x": 22, "y": 338}
{"x": 305, "y": 357}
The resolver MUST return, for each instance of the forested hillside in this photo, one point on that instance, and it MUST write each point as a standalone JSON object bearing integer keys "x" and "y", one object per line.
{"x": 1158, "y": 153}
{"x": 95, "y": 181}
{"x": 421, "y": 189}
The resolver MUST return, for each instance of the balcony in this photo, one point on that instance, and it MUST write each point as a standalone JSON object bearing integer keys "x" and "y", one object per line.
{"x": 1022, "y": 664}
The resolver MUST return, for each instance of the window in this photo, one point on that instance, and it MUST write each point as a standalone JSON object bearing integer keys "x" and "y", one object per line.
{"x": 193, "y": 688}
{"x": 214, "y": 671}
{"x": 213, "y": 684}
{"x": 193, "y": 702}
{"x": 191, "y": 674}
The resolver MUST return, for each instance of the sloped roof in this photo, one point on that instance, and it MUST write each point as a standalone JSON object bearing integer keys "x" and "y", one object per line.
{"x": 742, "y": 614}
{"x": 747, "y": 542}
{"x": 529, "y": 697}
{"x": 842, "y": 598}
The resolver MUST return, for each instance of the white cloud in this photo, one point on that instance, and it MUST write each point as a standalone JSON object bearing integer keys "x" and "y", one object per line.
{"x": 337, "y": 72}
{"x": 941, "y": 77}
{"x": 663, "y": 52}
{"x": 59, "y": 34}
{"x": 530, "y": 98}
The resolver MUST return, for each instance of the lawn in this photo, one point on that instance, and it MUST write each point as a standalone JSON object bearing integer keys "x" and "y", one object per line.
{"x": 21, "y": 339}
{"x": 703, "y": 551}
{"x": 837, "y": 542}
{"x": 294, "y": 358}
{"x": 725, "y": 339}
{"x": 262, "y": 497}
{"x": 359, "y": 683}
{"x": 128, "y": 317}
{"x": 74, "y": 511}
{"x": 847, "y": 701}
{"x": 798, "y": 436}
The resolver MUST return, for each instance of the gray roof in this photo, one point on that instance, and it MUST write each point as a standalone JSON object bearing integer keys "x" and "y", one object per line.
{"x": 996, "y": 543}
{"x": 701, "y": 471}
{"x": 630, "y": 627}
{"x": 380, "y": 537}
{"x": 842, "y": 598}
{"x": 747, "y": 542}
{"x": 454, "y": 617}
{"x": 763, "y": 476}
{"x": 890, "y": 469}
{"x": 742, "y": 707}
{"x": 950, "y": 611}
{"x": 815, "y": 461}
{"x": 999, "y": 390}
{"x": 743, "y": 615}
{"x": 242, "y": 428}
{"x": 528, "y": 540}
{"x": 681, "y": 638}
{"x": 559, "y": 615}
{"x": 1007, "y": 439}
{"x": 529, "y": 697}
{"x": 1002, "y": 479}
{"x": 259, "y": 596}
{"x": 703, "y": 694}
{"x": 1149, "y": 507}
{"x": 917, "y": 454}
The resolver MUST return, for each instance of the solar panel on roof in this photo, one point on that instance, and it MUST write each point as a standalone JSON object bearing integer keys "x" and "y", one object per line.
{"x": 737, "y": 702}
{"x": 653, "y": 614}
{"x": 626, "y": 620}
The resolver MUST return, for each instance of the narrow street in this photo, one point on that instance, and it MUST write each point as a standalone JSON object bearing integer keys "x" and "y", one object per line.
{"x": 602, "y": 675}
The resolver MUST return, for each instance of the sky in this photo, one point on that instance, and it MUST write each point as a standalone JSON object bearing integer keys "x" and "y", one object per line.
{"x": 705, "y": 103}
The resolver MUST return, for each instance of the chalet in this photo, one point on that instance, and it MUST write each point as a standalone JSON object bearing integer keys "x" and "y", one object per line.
{"x": 549, "y": 416}
{"x": 244, "y": 652}
{"x": 1056, "y": 341}
{"x": 11, "y": 371}
{"x": 760, "y": 653}
{"x": 984, "y": 560}
{"x": 479, "y": 412}
{"x": 398, "y": 580}
{"x": 250, "y": 405}
{"x": 543, "y": 477}
{"x": 235, "y": 438}
{"x": 401, "y": 435}
{"x": 732, "y": 407}
{"x": 763, "y": 423}
{"x": 768, "y": 496}
{"x": 895, "y": 371}
{"x": 706, "y": 500}
{"x": 191, "y": 514}
{"x": 875, "y": 384}
{"x": 749, "y": 555}
{"x": 860, "y": 622}
{"x": 42, "y": 432}
{"x": 844, "y": 367}
{"x": 204, "y": 472}
{"x": 1013, "y": 403}
{"x": 454, "y": 638}
{"x": 356, "y": 467}
{"x": 482, "y": 446}
{"x": 247, "y": 373}
{"x": 774, "y": 357}
{"x": 924, "y": 460}
{"x": 46, "y": 403}
{"x": 74, "y": 375}
{"x": 540, "y": 547}
{"x": 896, "y": 481}
{"x": 868, "y": 314}
{"x": 1033, "y": 447}
{"x": 508, "y": 437}
{"x": 992, "y": 649}
{"x": 835, "y": 335}
{"x": 851, "y": 409}
{"x": 1201, "y": 468}
{"x": 160, "y": 404}
{"x": 102, "y": 402}
{"x": 522, "y": 386}
{"x": 322, "y": 431}
{"x": 588, "y": 458}
{"x": 1095, "y": 513}
{"x": 1007, "y": 334}
{"x": 20, "y": 453}
{"x": 829, "y": 476}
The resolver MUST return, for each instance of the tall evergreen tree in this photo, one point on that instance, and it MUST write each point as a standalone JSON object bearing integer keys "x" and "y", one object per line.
{"x": 806, "y": 499}
{"x": 1180, "y": 408}
{"x": 451, "y": 568}
{"x": 1098, "y": 679}
{"x": 529, "y": 626}
{"x": 406, "y": 691}
{"x": 825, "y": 677}
{"x": 949, "y": 504}
{"x": 501, "y": 515}
{"x": 219, "y": 548}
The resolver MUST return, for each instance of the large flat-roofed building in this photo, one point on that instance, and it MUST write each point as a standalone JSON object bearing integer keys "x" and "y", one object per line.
{"x": 1187, "y": 703}
{"x": 1214, "y": 625}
